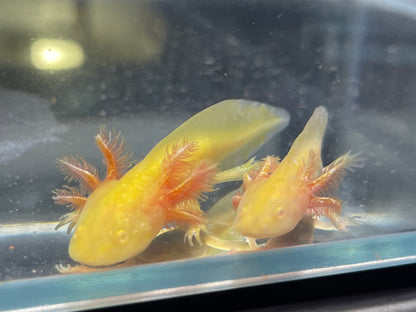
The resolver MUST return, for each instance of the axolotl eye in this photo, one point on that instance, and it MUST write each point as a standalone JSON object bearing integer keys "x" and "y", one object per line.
{"x": 280, "y": 212}
{"x": 122, "y": 236}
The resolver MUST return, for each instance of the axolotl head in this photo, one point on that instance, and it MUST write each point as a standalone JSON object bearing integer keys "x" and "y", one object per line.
{"x": 265, "y": 212}
{"x": 112, "y": 229}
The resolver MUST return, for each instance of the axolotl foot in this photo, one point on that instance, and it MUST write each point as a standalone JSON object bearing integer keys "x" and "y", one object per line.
{"x": 67, "y": 269}
{"x": 71, "y": 218}
{"x": 194, "y": 231}
{"x": 82, "y": 268}
{"x": 213, "y": 241}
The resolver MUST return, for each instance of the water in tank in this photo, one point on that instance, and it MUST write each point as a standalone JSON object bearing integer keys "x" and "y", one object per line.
{"x": 153, "y": 149}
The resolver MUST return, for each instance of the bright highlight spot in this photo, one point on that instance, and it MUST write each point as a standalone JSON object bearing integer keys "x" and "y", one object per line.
{"x": 54, "y": 54}
{"x": 51, "y": 56}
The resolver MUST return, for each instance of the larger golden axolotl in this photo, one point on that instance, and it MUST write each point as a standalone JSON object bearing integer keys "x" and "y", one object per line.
{"x": 117, "y": 217}
{"x": 277, "y": 196}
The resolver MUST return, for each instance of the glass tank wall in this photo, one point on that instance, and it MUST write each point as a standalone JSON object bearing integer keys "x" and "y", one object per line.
{"x": 144, "y": 68}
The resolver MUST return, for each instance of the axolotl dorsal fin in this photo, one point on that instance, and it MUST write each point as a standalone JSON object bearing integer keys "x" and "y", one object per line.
{"x": 229, "y": 131}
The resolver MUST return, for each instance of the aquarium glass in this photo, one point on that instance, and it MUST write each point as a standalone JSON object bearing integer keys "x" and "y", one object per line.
{"x": 68, "y": 68}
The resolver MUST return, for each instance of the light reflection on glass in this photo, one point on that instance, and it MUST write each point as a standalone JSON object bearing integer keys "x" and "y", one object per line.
{"x": 54, "y": 54}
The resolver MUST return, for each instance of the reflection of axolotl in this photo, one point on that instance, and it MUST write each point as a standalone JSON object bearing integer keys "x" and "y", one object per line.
{"x": 118, "y": 217}
{"x": 277, "y": 196}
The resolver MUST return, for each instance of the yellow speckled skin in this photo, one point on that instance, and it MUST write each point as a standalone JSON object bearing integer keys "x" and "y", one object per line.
{"x": 121, "y": 217}
{"x": 274, "y": 206}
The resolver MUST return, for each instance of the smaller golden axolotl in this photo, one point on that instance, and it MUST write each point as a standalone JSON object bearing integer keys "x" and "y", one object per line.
{"x": 117, "y": 217}
{"x": 278, "y": 195}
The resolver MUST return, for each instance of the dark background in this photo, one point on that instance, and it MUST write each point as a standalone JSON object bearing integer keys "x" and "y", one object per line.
{"x": 354, "y": 57}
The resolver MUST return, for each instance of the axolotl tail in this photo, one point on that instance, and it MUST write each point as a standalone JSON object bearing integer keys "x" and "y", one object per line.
{"x": 311, "y": 137}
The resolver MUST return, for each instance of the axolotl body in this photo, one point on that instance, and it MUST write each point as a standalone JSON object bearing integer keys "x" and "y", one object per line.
{"x": 117, "y": 217}
{"x": 277, "y": 196}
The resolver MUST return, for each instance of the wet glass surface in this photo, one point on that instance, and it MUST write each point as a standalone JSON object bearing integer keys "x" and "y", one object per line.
{"x": 144, "y": 67}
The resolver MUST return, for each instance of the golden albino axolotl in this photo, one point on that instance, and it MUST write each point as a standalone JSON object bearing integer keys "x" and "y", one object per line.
{"x": 277, "y": 196}
{"x": 117, "y": 217}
